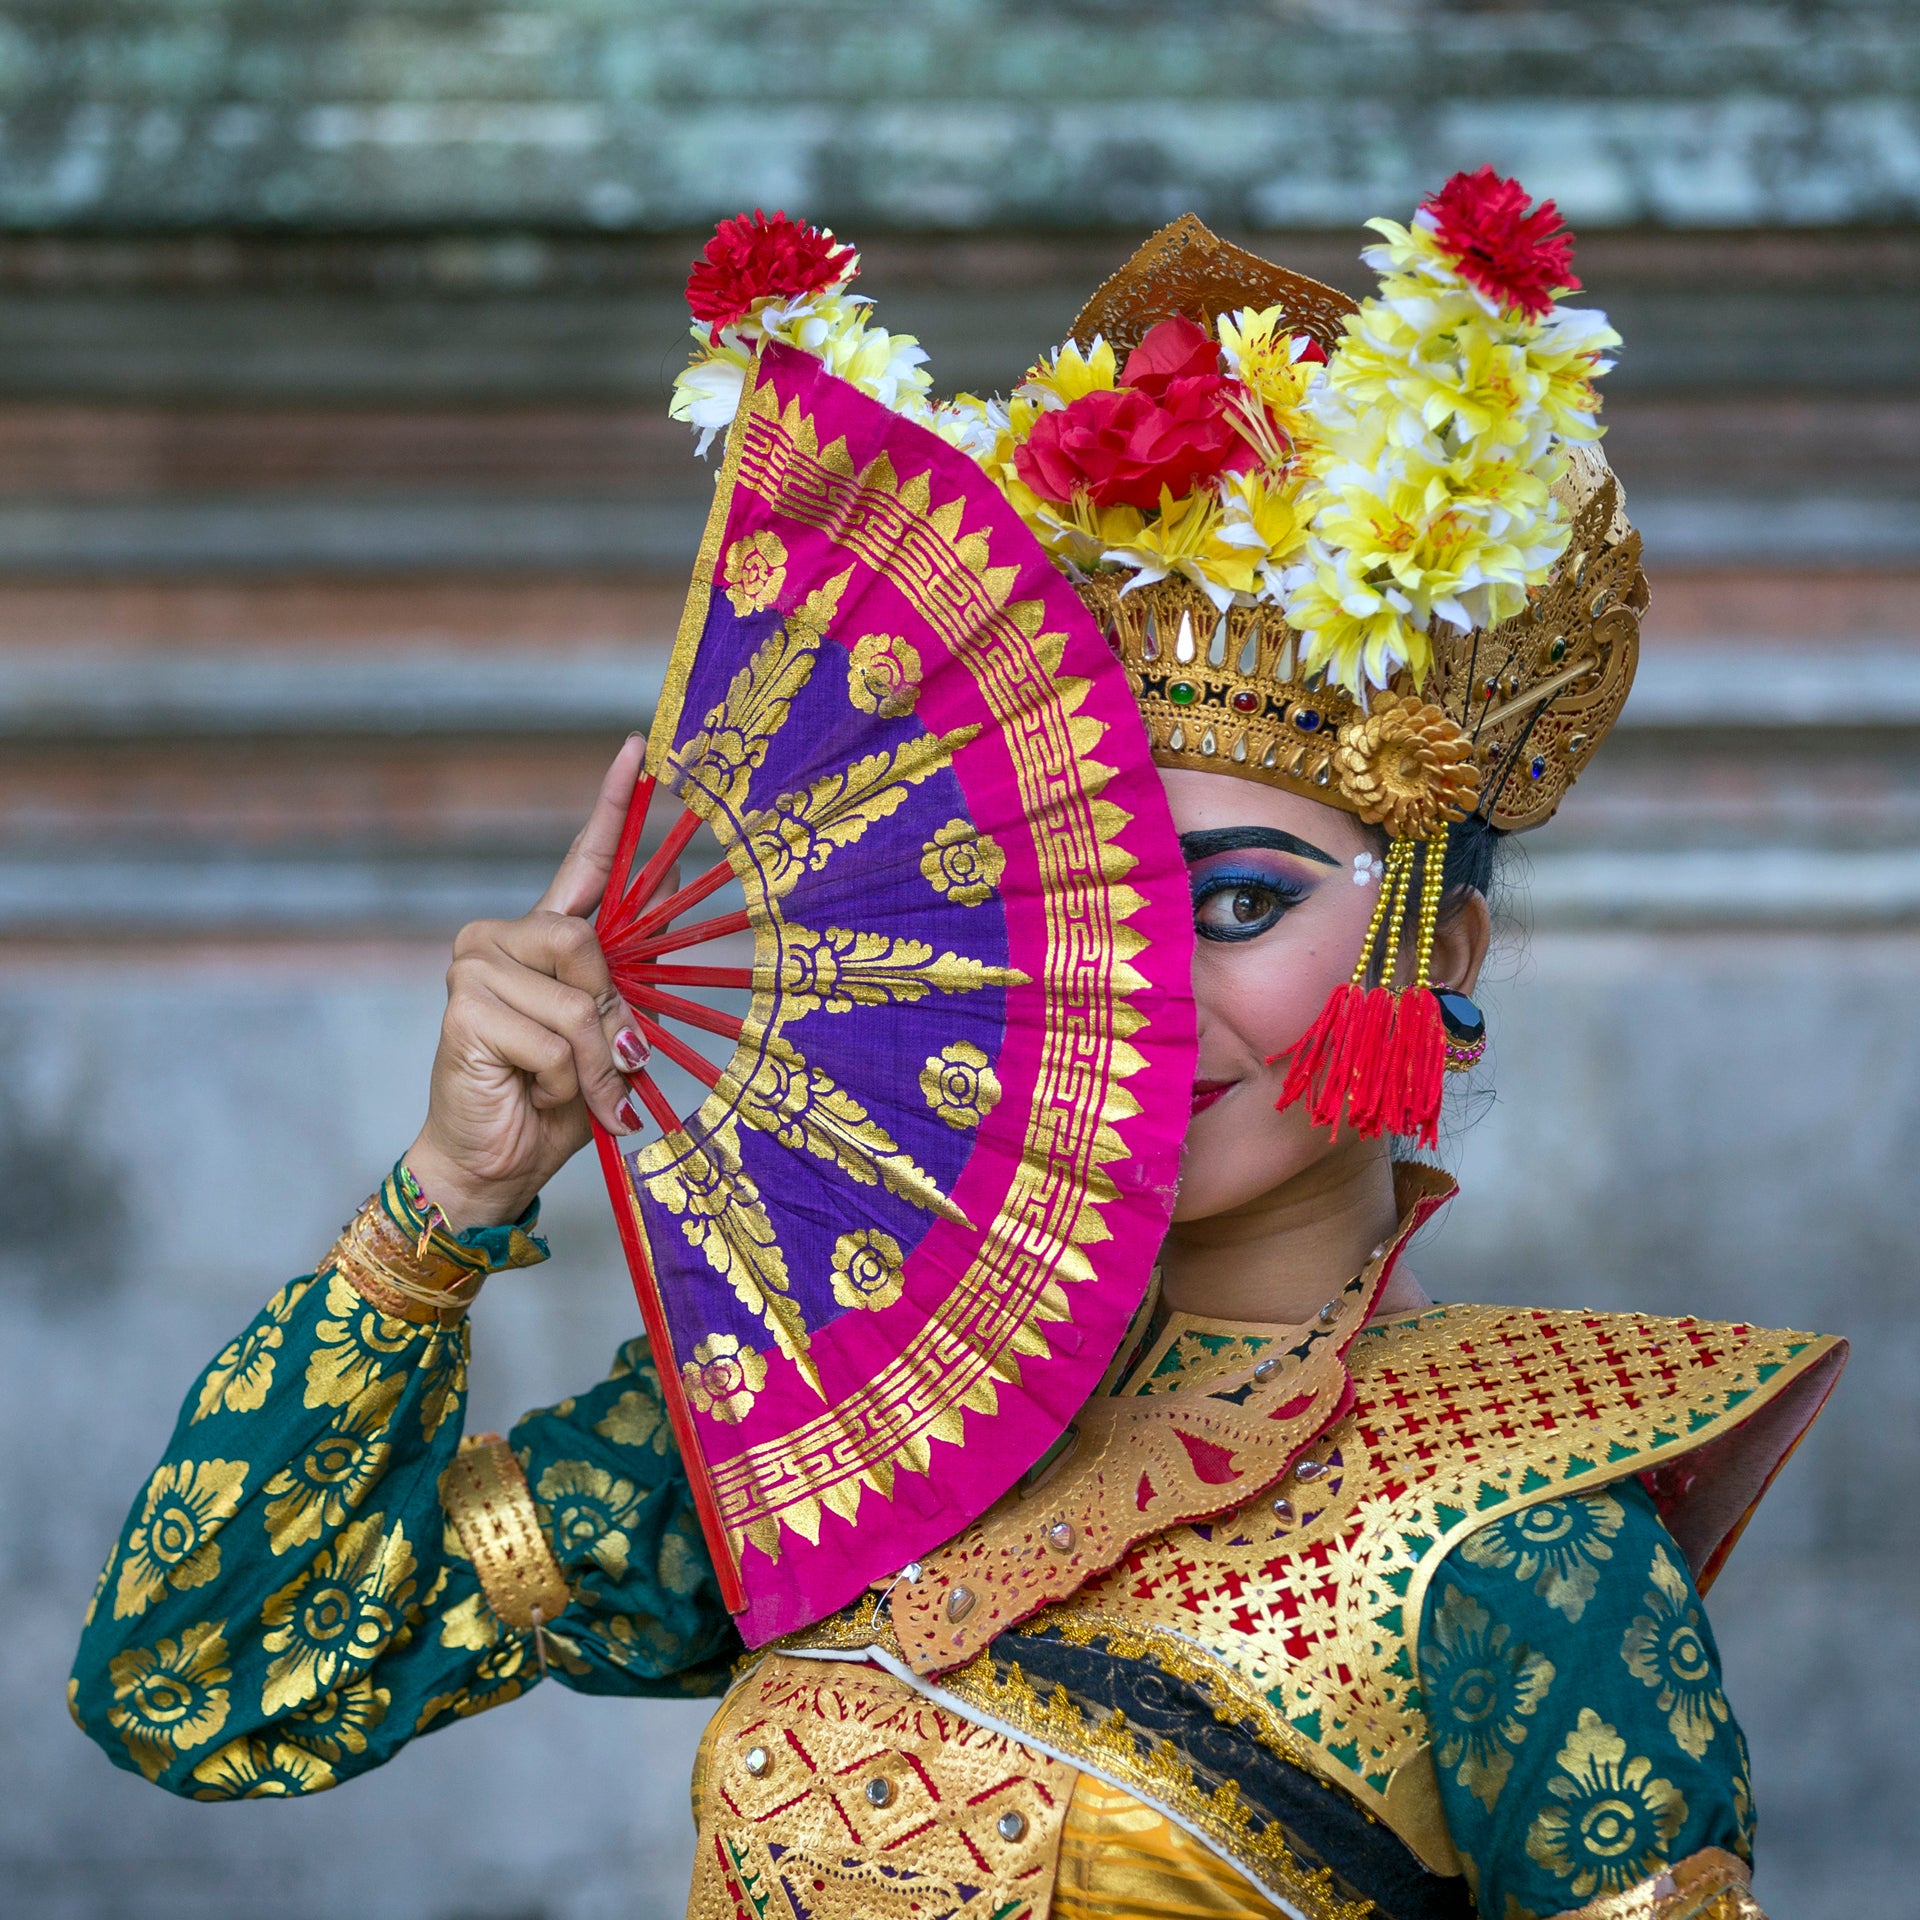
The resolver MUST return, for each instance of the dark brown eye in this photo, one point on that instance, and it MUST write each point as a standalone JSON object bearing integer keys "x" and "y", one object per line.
{"x": 1239, "y": 909}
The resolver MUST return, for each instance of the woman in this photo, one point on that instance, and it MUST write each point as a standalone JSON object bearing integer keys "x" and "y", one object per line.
{"x": 1450, "y": 1656}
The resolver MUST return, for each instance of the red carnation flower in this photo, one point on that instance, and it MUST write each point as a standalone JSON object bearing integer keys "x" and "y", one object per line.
{"x": 1176, "y": 349}
{"x": 1513, "y": 252}
{"x": 1121, "y": 447}
{"x": 753, "y": 258}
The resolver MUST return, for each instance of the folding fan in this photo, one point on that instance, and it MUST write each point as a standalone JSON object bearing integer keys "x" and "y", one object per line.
{"x": 892, "y": 1250}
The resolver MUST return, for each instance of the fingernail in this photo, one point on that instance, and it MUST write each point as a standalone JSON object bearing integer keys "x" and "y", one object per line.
{"x": 627, "y": 1117}
{"x": 631, "y": 1049}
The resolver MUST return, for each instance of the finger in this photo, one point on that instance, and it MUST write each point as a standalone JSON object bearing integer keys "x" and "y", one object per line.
{"x": 578, "y": 1020}
{"x": 582, "y": 876}
{"x": 483, "y": 1025}
{"x": 567, "y": 949}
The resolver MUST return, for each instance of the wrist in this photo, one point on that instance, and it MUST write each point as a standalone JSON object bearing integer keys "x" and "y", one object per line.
{"x": 462, "y": 1202}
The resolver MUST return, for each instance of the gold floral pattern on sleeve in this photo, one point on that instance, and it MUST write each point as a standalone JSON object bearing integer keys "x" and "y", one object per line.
{"x": 500, "y": 1676}
{"x": 589, "y": 1512}
{"x": 356, "y": 1346}
{"x": 338, "y": 1723}
{"x": 241, "y": 1378}
{"x": 337, "y": 1613}
{"x": 170, "y": 1697}
{"x": 636, "y": 1419}
{"x": 1613, "y": 1819}
{"x": 1665, "y": 1649}
{"x": 1555, "y": 1547}
{"x": 255, "y": 1768}
{"x": 1481, "y": 1688}
{"x": 334, "y": 1475}
{"x": 172, "y": 1543}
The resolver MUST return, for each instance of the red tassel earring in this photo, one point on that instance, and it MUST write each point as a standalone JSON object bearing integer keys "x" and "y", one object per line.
{"x": 1376, "y": 1055}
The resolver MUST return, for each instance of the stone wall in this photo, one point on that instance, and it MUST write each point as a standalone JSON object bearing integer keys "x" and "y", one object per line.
{"x": 373, "y": 113}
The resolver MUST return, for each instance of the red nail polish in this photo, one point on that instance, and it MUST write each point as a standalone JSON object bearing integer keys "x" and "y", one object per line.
{"x": 627, "y": 1116}
{"x": 631, "y": 1049}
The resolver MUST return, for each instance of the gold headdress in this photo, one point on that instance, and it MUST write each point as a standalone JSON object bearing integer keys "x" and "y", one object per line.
{"x": 1524, "y": 704}
{"x": 1368, "y": 552}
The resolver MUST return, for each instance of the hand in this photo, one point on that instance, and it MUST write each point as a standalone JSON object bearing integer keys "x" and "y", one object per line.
{"x": 533, "y": 1037}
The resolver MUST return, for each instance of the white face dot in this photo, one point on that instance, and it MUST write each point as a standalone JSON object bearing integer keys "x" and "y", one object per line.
{"x": 1366, "y": 869}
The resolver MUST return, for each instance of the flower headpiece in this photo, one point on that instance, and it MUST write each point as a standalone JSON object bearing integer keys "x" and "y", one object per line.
{"x": 1369, "y": 553}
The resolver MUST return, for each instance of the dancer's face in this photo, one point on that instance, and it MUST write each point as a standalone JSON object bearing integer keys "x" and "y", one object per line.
{"x": 1283, "y": 889}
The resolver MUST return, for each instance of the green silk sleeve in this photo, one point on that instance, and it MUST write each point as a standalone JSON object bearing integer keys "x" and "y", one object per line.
{"x": 288, "y": 1603}
{"x": 1581, "y": 1735}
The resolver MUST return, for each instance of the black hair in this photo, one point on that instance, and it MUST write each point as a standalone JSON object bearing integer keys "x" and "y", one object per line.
{"x": 1472, "y": 863}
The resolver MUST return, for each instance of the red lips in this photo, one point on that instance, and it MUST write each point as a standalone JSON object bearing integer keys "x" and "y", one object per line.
{"x": 1206, "y": 1092}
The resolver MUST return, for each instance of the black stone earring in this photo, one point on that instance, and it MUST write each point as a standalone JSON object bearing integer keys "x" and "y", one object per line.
{"x": 1466, "y": 1030}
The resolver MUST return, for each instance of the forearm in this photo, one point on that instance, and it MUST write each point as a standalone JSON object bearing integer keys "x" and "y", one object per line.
{"x": 290, "y": 1546}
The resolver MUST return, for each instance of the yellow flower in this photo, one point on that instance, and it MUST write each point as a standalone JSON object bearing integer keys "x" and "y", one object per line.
{"x": 252, "y": 1768}
{"x": 171, "y": 1697}
{"x": 172, "y": 1543}
{"x": 723, "y": 1378}
{"x": 960, "y": 1085}
{"x": 1615, "y": 1819}
{"x": 585, "y": 1509}
{"x": 1262, "y": 350}
{"x": 337, "y": 1614}
{"x": 962, "y": 863}
{"x": 239, "y": 1380}
{"x": 1069, "y": 374}
{"x": 333, "y": 1475}
{"x": 1352, "y": 629}
{"x": 867, "y": 1269}
{"x": 755, "y": 571}
{"x": 1186, "y": 538}
{"x": 1665, "y": 1648}
{"x": 884, "y": 675}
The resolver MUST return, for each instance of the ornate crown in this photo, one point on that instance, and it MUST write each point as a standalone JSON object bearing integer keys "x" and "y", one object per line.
{"x": 1529, "y": 699}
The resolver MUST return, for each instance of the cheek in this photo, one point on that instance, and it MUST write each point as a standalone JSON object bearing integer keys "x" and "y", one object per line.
{"x": 1269, "y": 992}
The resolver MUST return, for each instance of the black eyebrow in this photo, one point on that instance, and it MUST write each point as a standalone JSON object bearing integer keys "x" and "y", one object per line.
{"x": 1201, "y": 846}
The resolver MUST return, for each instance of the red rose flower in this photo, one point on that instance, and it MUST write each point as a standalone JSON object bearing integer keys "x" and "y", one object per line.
{"x": 753, "y": 258}
{"x": 1121, "y": 447}
{"x": 1514, "y": 253}
{"x": 1176, "y": 349}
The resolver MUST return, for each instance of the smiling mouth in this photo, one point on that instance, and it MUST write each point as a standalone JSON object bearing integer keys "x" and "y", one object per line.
{"x": 1206, "y": 1092}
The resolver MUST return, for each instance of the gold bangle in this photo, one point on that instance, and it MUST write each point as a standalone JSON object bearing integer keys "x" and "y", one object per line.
{"x": 1709, "y": 1885}
{"x": 383, "y": 1263}
{"x": 486, "y": 1496}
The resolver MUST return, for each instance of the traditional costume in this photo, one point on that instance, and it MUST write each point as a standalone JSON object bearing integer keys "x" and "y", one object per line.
{"x": 1027, "y": 1597}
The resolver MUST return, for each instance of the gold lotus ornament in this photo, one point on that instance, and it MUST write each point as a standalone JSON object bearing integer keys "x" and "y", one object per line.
{"x": 1407, "y": 767}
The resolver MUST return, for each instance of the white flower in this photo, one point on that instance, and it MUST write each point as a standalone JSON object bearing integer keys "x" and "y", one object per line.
{"x": 706, "y": 394}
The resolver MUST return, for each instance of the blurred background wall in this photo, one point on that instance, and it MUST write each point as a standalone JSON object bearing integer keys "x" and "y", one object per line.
{"x": 341, "y": 534}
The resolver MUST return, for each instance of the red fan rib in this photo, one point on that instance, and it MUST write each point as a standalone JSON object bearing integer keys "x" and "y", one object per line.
{"x": 694, "y": 934}
{"x": 679, "y": 1052}
{"x": 669, "y": 976}
{"x": 664, "y": 855}
{"x": 630, "y": 832}
{"x": 655, "y": 1102}
{"x": 688, "y": 1012}
{"x": 675, "y": 904}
